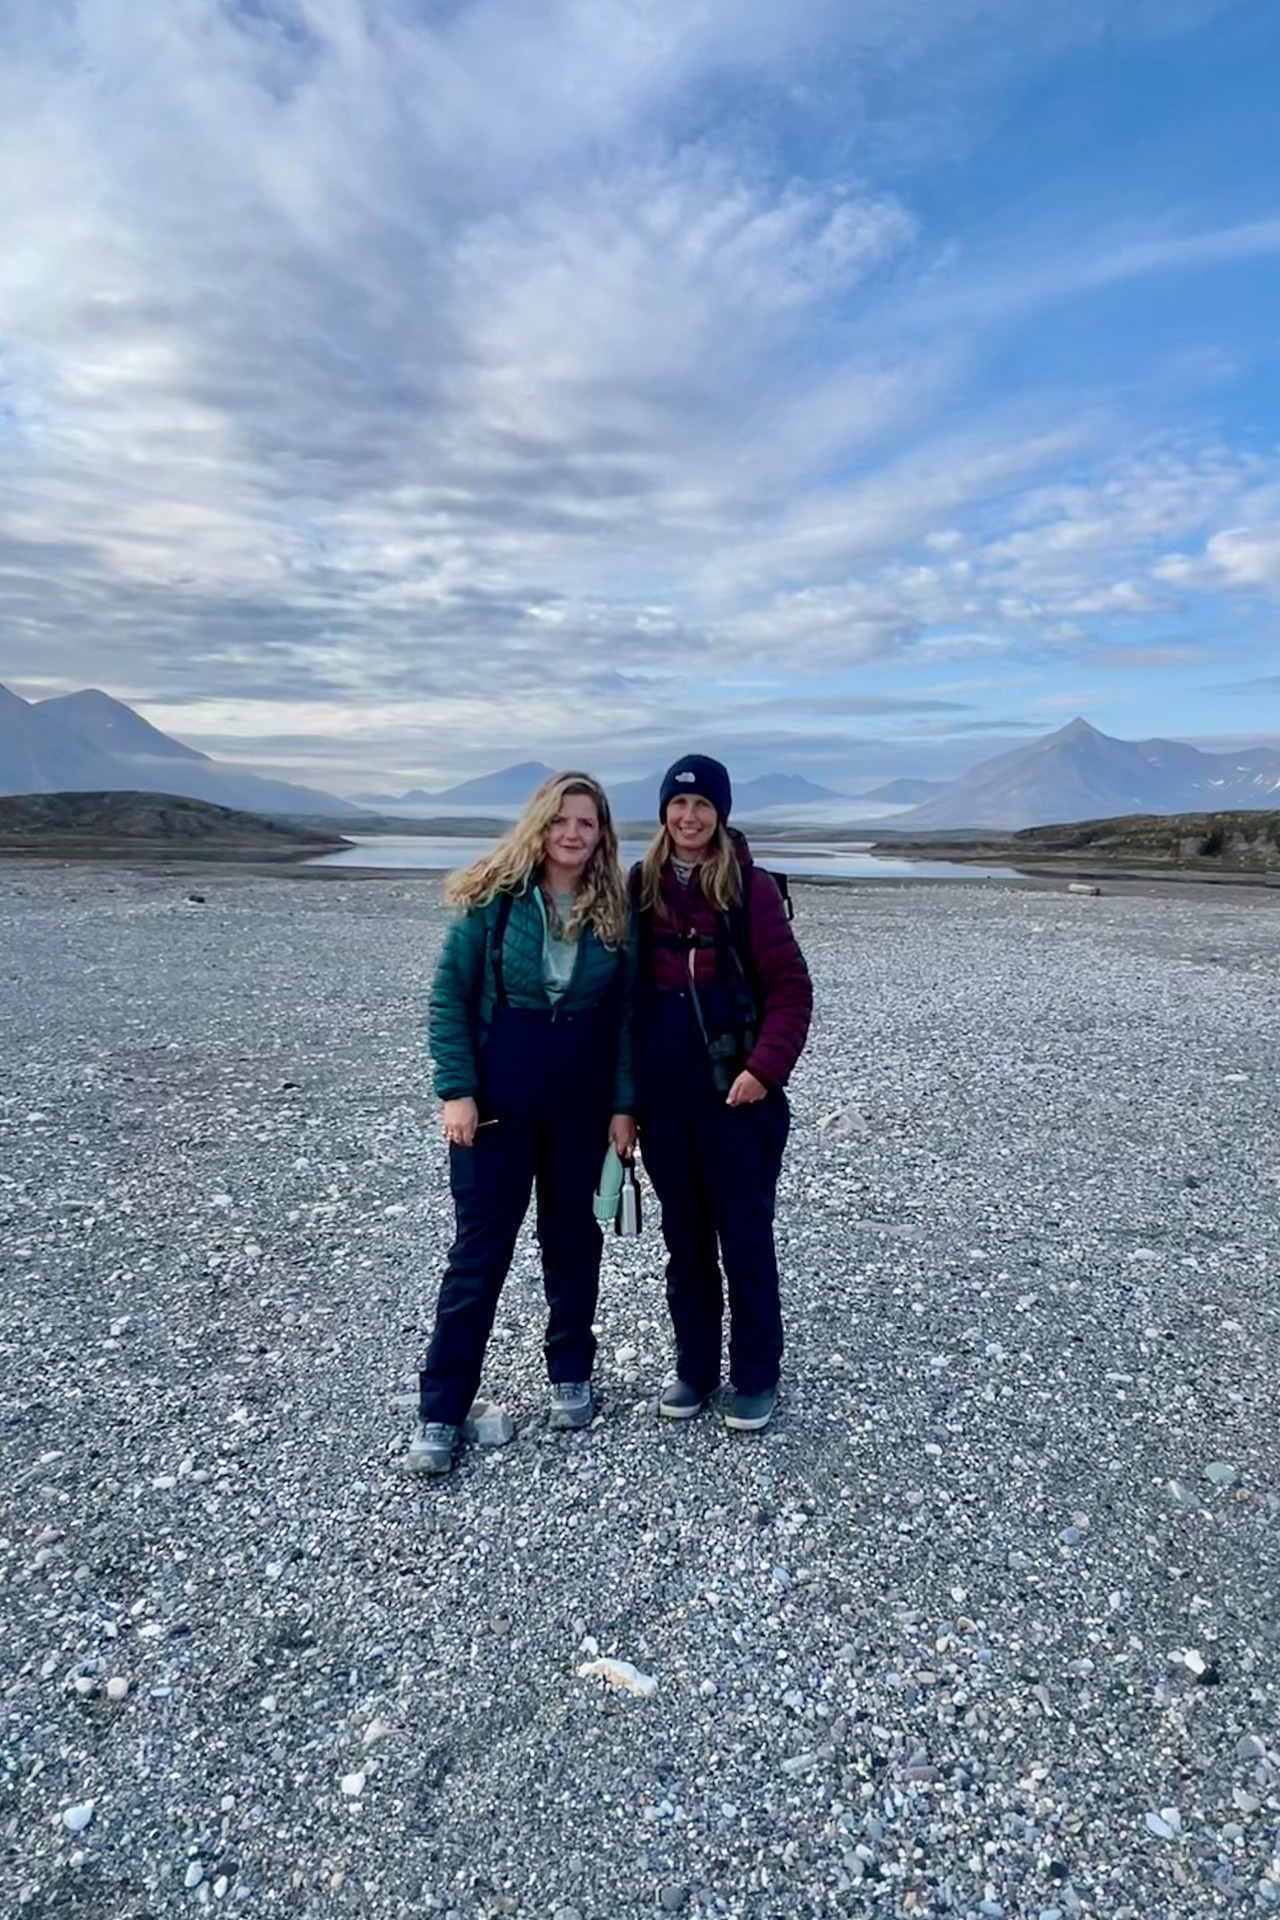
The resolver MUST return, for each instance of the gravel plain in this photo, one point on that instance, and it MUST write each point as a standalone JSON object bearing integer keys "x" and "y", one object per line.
{"x": 986, "y": 1625}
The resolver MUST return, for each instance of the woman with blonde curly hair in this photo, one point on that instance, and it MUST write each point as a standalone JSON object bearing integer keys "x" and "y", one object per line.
{"x": 531, "y": 1041}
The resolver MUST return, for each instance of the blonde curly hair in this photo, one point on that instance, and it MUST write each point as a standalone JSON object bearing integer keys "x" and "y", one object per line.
{"x": 516, "y": 862}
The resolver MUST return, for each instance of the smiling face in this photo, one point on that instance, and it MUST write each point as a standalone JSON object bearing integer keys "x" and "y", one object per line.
{"x": 691, "y": 825}
{"x": 572, "y": 837}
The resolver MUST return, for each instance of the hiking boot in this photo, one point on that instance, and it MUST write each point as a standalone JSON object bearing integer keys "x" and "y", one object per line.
{"x": 572, "y": 1404}
{"x": 749, "y": 1412}
{"x": 679, "y": 1401}
{"x": 433, "y": 1448}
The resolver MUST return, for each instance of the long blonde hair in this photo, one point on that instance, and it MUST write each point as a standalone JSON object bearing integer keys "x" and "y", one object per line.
{"x": 514, "y": 863}
{"x": 719, "y": 873}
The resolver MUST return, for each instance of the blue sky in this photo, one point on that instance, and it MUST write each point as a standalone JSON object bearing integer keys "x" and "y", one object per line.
{"x": 853, "y": 388}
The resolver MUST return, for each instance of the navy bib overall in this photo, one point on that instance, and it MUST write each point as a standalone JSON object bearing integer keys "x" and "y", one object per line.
{"x": 546, "y": 1080}
{"x": 715, "y": 1171}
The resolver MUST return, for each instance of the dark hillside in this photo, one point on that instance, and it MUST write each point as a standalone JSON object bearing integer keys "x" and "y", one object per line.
{"x": 86, "y": 825}
{"x": 1240, "y": 844}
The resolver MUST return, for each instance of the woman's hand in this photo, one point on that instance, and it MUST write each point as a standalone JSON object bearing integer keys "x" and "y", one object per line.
{"x": 746, "y": 1090}
{"x": 622, "y": 1135}
{"x": 460, "y": 1118}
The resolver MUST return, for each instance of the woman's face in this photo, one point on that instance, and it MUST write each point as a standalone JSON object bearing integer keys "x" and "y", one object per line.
{"x": 573, "y": 835}
{"x": 691, "y": 824}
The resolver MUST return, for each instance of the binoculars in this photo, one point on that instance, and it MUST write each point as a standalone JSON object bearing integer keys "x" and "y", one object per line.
{"x": 727, "y": 1055}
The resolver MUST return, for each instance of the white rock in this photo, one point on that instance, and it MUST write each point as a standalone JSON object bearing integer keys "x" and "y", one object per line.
{"x": 84, "y": 1686}
{"x": 118, "y": 1688}
{"x": 1165, "y": 1825}
{"x": 76, "y": 1819}
{"x": 193, "y": 1876}
{"x": 352, "y": 1785}
{"x": 589, "y": 1645}
{"x": 377, "y": 1730}
{"x": 488, "y": 1425}
{"x": 620, "y": 1674}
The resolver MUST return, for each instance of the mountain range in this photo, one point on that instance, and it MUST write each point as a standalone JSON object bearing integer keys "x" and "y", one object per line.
{"x": 1078, "y": 773}
{"x": 901, "y": 793}
{"x": 89, "y": 743}
{"x": 630, "y": 799}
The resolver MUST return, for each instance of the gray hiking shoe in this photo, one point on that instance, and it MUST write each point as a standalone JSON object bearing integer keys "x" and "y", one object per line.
{"x": 572, "y": 1404}
{"x": 749, "y": 1412}
{"x": 433, "y": 1448}
{"x": 679, "y": 1401}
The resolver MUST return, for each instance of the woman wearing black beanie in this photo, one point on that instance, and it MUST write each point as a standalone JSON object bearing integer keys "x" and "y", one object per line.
{"x": 722, "y": 1013}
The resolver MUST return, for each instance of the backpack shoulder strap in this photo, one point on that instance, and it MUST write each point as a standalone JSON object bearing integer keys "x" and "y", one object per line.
{"x": 783, "y": 884}
{"x": 644, "y": 924}
{"x": 734, "y": 929}
{"x": 497, "y": 940}
{"x": 739, "y": 919}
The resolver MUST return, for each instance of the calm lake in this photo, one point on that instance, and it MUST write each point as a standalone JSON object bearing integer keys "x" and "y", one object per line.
{"x": 848, "y": 860}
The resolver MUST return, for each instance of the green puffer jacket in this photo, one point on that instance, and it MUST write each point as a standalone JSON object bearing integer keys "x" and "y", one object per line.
{"x": 463, "y": 993}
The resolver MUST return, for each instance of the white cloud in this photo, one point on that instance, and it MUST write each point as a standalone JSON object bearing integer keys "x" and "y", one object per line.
{"x": 1247, "y": 558}
{"x": 435, "y": 362}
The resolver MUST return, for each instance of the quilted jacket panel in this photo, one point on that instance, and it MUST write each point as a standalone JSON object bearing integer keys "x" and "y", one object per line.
{"x": 464, "y": 995}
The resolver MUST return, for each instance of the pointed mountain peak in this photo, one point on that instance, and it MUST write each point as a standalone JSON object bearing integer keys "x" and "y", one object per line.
{"x": 87, "y": 696}
{"x": 113, "y": 725}
{"x": 1077, "y": 729}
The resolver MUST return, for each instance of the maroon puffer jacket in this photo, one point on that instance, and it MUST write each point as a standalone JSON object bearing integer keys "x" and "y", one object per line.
{"x": 777, "y": 964}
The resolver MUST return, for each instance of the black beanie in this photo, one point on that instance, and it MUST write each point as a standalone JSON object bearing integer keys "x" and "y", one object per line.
{"x": 697, "y": 774}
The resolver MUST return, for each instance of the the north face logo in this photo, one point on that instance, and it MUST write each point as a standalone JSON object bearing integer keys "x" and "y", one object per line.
{"x": 687, "y": 776}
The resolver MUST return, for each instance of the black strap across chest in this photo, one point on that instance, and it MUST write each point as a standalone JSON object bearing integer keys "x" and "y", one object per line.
{"x": 730, "y": 941}
{"x": 496, "y": 944}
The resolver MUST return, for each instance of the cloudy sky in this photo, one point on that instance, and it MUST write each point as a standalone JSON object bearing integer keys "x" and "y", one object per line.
{"x": 396, "y": 388}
